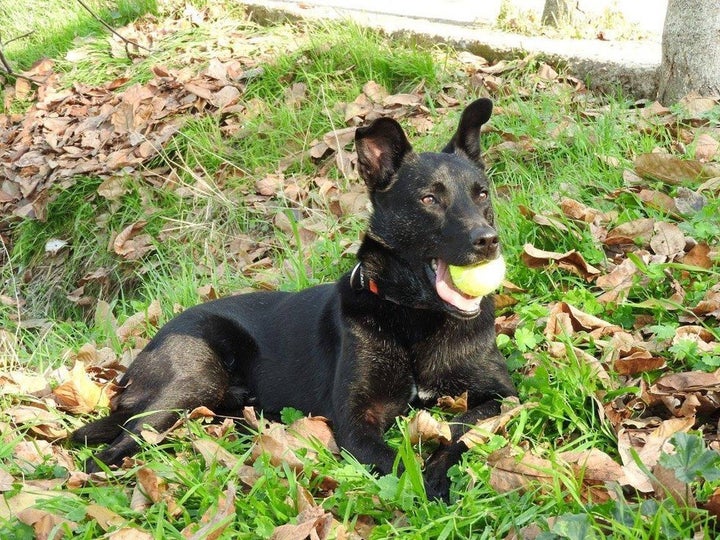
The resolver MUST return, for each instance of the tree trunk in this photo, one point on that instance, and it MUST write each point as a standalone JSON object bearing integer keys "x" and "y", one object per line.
{"x": 557, "y": 12}
{"x": 690, "y": 50}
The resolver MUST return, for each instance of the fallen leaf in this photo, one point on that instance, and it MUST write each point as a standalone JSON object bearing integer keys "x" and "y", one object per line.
{"x": 456, "y": 405}
{"x": 648, "y": 440}
{"x": 706, "y": 147}
{"x": 106, "y": 518}
{"x": 424, "y": 427}
{"x": 156, "y": 490}
{"x": 313, "y": 523}
{"x": 673, "y": 170}
{"x": 136, "y": 324}
{"x": 667, "y": 240}
{"x": 212, "y": 452}
{"x": 571, "y": 261}
{"x": 80, "y": 394}
{"x": 215, "y": 520}
{"x": 638, "y": 231}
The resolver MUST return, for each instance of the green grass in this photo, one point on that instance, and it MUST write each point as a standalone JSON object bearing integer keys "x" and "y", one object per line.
{"x": 204, "y": 219}
{"x": 54, "y": 25}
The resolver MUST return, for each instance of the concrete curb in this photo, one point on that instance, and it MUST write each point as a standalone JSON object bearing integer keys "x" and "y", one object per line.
{"x": 603, "y": 65}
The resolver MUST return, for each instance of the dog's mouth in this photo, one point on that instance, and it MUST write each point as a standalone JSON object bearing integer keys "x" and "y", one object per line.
{"x": 449, "y": 293}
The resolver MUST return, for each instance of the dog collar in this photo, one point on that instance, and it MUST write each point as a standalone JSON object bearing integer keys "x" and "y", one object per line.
{"x": 359, "y": 282}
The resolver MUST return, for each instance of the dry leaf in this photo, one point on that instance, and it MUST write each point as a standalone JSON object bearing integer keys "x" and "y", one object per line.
{"x": 106, "y": 518}
{"x": 456, "y": 405}
{"x": 215, "y": 520}
{"x": 156, "y": 490}
{"x": 706, "y": 147}
{"x": 135, "y": 325}
{"x": 571, "y": 261}
{"x": 667, "y": 240}
{"x": 212, "y": 452}
{"x": 648, "y": 440}
{"x": 80, "y": 394}
{"x": 673, "y": 170}
{"x": 314, "y": 427}
{"x": 313, "y": 523}
{"x": 424, "y": 427}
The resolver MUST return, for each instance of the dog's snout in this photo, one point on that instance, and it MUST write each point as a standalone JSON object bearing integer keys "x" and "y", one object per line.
{"x": 484, "y": 240}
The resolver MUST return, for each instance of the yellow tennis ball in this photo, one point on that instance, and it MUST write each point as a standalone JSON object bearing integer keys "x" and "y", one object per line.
{"x": 478, "y": 279}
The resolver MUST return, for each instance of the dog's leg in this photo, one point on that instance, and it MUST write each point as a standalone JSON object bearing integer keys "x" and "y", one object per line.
{"x": 437, "y": 483}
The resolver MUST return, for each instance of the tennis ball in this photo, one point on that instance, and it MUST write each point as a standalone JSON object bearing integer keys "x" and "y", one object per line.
{"x": 478, "y": 279}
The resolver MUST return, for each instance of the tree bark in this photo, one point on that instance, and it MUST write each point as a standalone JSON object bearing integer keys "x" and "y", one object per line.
{"x": 557, "y": 12}
{"x": 690, "y": 50}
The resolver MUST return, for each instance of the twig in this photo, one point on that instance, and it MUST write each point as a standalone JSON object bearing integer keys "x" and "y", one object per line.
{"x": 7, "y": 68}
{"x": 111, "y": 29}
{"x": 26, "y": 34}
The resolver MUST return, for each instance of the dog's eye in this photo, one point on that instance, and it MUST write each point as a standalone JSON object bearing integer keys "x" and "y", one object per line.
{"x": 482, "y": 196}
{"x": 429, "y": 200}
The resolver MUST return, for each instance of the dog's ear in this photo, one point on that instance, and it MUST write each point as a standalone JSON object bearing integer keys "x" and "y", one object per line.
{"x": 467, "y": 137}
{"x": 381, "y": 147}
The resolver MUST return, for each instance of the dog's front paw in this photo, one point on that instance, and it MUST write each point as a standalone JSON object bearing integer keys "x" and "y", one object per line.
{"x": 437, "y": 485}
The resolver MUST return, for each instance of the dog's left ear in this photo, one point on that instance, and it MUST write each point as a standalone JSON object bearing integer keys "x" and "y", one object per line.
{"x": 467, "y": 137}
{"x": 381, "y": 148}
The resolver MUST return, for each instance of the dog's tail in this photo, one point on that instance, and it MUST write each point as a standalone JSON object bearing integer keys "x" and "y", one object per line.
{"x": 103, "y": 430}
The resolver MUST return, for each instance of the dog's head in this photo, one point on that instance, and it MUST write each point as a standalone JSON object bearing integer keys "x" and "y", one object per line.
{"x": 431, "y": 209}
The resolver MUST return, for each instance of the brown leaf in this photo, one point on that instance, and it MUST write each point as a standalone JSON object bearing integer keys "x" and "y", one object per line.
{"x": 130, "y": 533}
{"x": 698, "y": 256}
{"x": 106, "y": 518}
{"x": 314, "y": 427}
{"x": 578, "y": 211}
{"x": 632, "y": 232}
{"x": 21, "y": 383}
{"x": 113, "y": 188}
{"x": 509, "y": 472}
{"x": 648, "y": 440}
{"x": 156, "y": 489}
{"x": 45, "y": 524}
{"x": 658, "y": 199}
{"x": 215, "y": 520}
{"x": 136, "y": 324}
{"x": 713, "y": 504}
{"x": 481, "y": 431}
{"x": 618, "y": 282}
{"x": 313, "y": 523}
{"x": 454, "y": 405}
{"x": 424, "y": 427}
{"x": 571, "y": 261}
{"x": 667, "y": 240}
{"x": 403, "y": 100}
{"x": 673, "y": 170}
{"x": 212, "y": 452}
{"x": 339, "y": 138}
{"x": 43, "y": 423}
{"x": 710, "y": 305}
{"x": 638, "y": 362}
{"x": 81, "y": 394}
{"x": 6, "y": 481}
{"x": 375, "y": 92}
{"x": 706, "y": 147}
{"x": 278, "y": 446}
{"x": 129, "y": 244}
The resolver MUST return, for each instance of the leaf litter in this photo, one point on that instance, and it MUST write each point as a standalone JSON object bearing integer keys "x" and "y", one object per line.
{"x": 112, "y": 129}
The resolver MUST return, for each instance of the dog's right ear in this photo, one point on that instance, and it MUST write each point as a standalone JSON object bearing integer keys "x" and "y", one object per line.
{"x": 381, "y": 148}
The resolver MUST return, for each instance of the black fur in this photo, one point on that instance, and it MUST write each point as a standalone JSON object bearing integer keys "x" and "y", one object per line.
{"x": 359, "y": 351}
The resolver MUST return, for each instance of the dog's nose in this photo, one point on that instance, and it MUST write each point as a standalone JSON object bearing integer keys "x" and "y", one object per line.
{"x": 485, "y": 240}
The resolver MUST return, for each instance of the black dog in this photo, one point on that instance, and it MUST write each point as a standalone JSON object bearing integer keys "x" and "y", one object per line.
{"x": 393, "y": 332}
